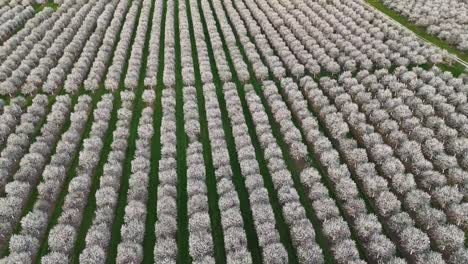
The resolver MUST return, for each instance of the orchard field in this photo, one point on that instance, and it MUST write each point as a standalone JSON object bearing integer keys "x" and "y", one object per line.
{"x": 233, "y": 131}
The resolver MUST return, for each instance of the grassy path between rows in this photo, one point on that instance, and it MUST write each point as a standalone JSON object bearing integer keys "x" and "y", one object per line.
{"x": 4, "y": 249}
{"x": 213, "y": 197}
{"x": 39, "y": 7}
{"x": 312, "y": 160}
{"x": 90, "y": 209}
{"x": 35, "y": 134}
{"x": 370, "y": 206}
{"x": 182, "y": 234}
{"x": 149, "y": 239}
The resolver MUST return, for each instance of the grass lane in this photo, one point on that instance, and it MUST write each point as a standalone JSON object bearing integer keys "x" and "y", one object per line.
{"x": 37, "y": 132}
{"x": 151, "y": 217}
{"x": 88, "y": 213}
{"x": 182, "y": 234}
{"x": 370, "y": 206}
{"x": 281, "y": 225}
{"x": 106, "y": 148}
{"x": 33, "y": 197}
{"x": 39, "y": 7}
{"x": 4, "y": 249}
{"x": 314, "y": 161}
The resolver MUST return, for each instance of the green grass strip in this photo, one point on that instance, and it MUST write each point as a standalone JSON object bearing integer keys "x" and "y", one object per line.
{"x": 39, "y": 7}
{"x": 182, "y": 234}
{"x": 149, "y": 239}
{"x": 151, "y": 210}
{"x": 456, "y": 69}
{"x": 213, "y": 197}
{"x": 126, "y": 172}
{"x": 313, "y": 161}
{"x": 43, "y": 249}
{"x": 295, "y": 173}
{"x": 88, "y": 213}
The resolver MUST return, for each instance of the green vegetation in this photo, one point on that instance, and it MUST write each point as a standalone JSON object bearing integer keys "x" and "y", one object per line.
{"x": 151, "y": 216}
{"x": 182, "y": 234}
{"x": 40, "y": 7}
